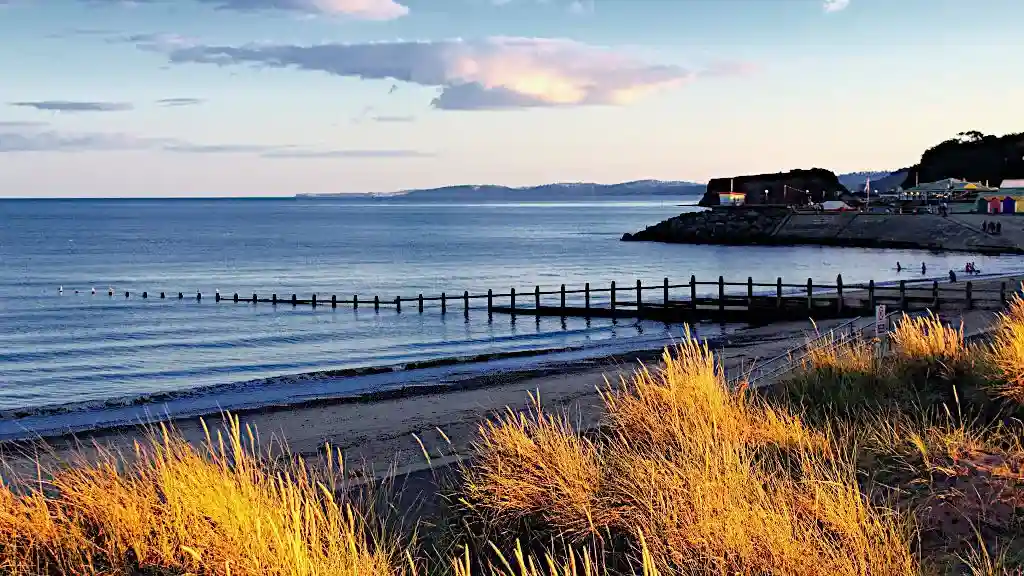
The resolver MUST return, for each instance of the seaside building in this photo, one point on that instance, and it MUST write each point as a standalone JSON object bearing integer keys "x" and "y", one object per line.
{"x": 731, "y": 198}
{"x": 1012, "y": 187}
{"x": 947, "y": 187}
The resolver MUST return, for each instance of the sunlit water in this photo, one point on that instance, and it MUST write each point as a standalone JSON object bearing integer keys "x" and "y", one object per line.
{"x": 76, "y": 349}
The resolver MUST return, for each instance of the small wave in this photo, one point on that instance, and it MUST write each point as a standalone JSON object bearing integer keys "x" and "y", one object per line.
{"x": 293, "y": 389}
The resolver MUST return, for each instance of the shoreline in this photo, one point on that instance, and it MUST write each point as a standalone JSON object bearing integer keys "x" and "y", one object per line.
{"x": 387, "y": 433}
{"x": 376, "y": 384}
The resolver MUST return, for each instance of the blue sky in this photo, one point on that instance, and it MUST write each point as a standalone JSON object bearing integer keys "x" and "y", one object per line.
{"x": 275, "y": 97}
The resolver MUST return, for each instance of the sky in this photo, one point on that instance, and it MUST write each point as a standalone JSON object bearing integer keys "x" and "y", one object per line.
{"x": 163, "y": 98}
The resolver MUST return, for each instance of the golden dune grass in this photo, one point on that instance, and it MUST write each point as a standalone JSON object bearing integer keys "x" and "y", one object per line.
{"x": 686, "y": 476}
{"x": 927, "y": 339}
{"x": 1006, "y": 351}
{"x": 221, "y": 511}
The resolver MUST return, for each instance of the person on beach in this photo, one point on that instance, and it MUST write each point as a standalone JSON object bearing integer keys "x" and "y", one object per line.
{"x": 898, "y": 267}
{"x": 924, "y": 269}
{"x": 952, "y": 276}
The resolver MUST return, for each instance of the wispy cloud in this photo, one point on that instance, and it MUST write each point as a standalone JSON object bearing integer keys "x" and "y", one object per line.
{"x": 176, "y": 102}
{"x": 361, "y": 9}
{"x": 493, "y": 73}
{"x": 394, "y": 119}
{"x": 74, "y": 106}
{"x": 28, "y": 137}
{"x": 835, "y": 5}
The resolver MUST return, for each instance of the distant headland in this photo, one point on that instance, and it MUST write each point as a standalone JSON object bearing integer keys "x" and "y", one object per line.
{"x": 556, "y": 191}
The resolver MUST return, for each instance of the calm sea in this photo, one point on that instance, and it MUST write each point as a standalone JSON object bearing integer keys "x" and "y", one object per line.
{"x": 78, "y": 353}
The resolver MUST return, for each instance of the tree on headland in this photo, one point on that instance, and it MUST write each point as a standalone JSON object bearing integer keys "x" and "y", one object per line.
{"x": 973, "y": 156}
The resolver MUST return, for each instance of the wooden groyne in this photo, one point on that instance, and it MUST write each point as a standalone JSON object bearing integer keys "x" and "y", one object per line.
{"x": 694, "y": 301}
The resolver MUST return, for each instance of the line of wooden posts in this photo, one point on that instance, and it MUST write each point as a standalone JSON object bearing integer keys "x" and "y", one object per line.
{"x": 966, "y": 295}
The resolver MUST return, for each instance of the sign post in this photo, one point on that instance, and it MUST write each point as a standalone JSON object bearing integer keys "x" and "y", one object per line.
{"x": 881, "y": 329}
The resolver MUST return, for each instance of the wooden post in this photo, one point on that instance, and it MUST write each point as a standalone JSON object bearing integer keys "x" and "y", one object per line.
{"x": 234, "y": 297}
{"x": 420, "y": 303}
{"x": 839, "y": 293}
{"x": 295, "y": 299}
{"x": 970, "y": 300}
{"x": 334, "y": 300}
{"x": 563, "y": 297}
{"x": 778, "y": 293}
{"x": 1002, "y": 293}
{"x": 664, "y": 288}
{"x": 180, "y": 296}
{"x": 216, "y": 296}
{"x": 586, "y": 295}
{"x": 313, "y": 301}
{"x": 162, "y": 296}
{"x": 903, "y": 295}
{"x": 199, "y": 296}
{"x": 512, "y": 300}
{"x": 639, "y": 297}
{"x": 444, "y": 303}
{"x": 721, "y": 294}
{"x": 810, "y": 295}
{"x": 750, "y": 292}
{"x": 536, "y": 298}
{"x": 126, "y": 294}
{"x": 871, "y": 295}
{"x": 145, "y": 295}
{"x": 273, "y": 299}
{"x": 612, "y": 292}
{"x": 693, "y": 291}
{"x": 398, "y": 304}
{"x": 355, "y": 301}
{"x": 490, "y": 301}
{"x": 465, "y": 302}
{"x": 376, "y": 303}
{"x": 935, "y": 294}
{"x": 254, "y": 298}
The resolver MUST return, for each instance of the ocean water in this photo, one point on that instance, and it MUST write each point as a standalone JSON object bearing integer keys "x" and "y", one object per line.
{"x": 79, "y": 353}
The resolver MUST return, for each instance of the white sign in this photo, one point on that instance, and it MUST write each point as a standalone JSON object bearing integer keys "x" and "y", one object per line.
{"x": 879, "y": 319}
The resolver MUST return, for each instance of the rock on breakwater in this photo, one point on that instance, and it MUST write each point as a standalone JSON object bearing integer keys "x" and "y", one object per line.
{"x": 725, "y": 225}
{"x": 775, "y": 225}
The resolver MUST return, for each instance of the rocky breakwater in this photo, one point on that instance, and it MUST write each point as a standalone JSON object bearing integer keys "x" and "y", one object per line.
{"x": 721, "y": 225}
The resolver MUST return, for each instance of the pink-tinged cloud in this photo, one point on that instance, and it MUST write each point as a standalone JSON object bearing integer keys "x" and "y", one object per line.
{"x": 493, "y": 73}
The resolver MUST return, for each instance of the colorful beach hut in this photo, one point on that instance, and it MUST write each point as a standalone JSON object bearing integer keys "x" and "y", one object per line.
{"x": 1009, "y": 205}
{"x": 1020, "y": 204}
{"x": 981, "y": 205}
{"x": 731, "y": 198}
{"x": 994, "y": 205}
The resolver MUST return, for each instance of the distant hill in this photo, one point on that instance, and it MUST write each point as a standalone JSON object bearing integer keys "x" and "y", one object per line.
{"x": 855, "y": 180}
{"x": 880, "y": 181}
{"x": 557, "y": 191}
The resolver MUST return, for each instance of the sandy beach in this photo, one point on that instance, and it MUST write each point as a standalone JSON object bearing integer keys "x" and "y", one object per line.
{"x": 384, "y": 435}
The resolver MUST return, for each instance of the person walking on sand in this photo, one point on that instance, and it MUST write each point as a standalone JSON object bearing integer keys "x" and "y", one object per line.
{"x": 898, "y": 267}
{"x": 952, "y": 276}
{"x": 924, "y": 269}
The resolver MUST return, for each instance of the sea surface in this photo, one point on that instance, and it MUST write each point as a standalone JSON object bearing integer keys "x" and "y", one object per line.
{"x": 98, "y": 358}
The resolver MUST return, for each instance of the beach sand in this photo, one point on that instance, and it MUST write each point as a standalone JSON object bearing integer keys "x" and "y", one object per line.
{"x": 384, "y": 436}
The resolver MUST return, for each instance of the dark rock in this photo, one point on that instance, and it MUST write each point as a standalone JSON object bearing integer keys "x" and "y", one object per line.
{"x": 723, "y": 225}
{"x": 795, "y": 187}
